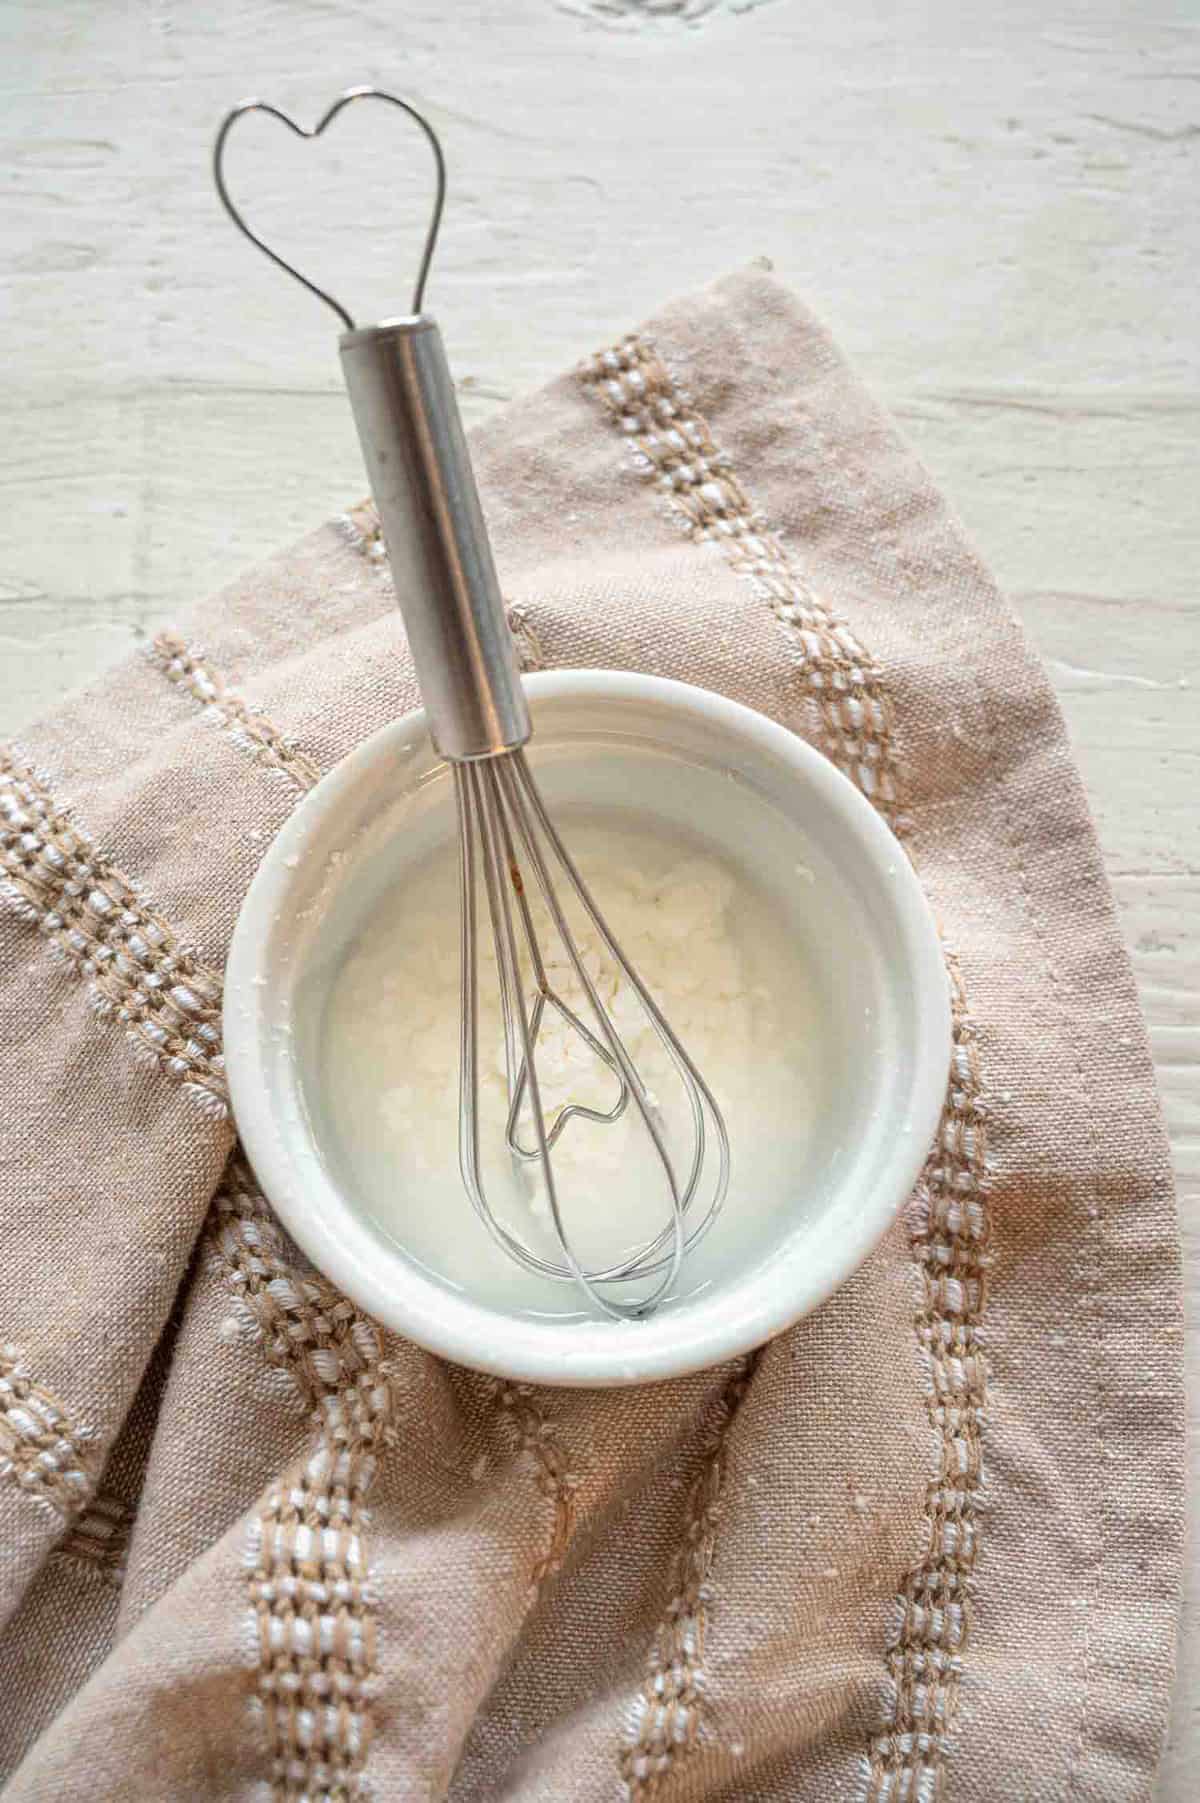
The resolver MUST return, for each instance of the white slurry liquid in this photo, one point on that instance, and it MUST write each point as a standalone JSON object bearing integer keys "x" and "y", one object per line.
{"x": 728, "y": 958}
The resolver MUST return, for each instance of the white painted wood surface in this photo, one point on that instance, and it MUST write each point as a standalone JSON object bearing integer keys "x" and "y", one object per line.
{"x": 994, "y": 209}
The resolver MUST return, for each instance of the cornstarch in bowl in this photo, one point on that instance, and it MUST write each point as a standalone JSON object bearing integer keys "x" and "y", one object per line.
{"x": 727, "y": 957}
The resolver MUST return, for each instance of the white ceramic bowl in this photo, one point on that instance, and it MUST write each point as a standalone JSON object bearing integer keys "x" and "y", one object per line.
{"x": 888, "y": 1028}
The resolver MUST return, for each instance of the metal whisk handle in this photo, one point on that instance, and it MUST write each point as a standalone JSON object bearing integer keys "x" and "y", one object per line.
{"x": 420, "y": 473}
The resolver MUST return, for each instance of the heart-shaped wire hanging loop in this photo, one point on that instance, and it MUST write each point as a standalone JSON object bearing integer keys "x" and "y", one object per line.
{"x": 327, "y": 118}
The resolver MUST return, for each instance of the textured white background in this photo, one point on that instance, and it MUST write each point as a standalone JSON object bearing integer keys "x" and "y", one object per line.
{"x": 994, "y": 208}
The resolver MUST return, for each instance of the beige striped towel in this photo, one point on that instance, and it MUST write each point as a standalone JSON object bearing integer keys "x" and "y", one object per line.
{"x": 925, "y": 1544}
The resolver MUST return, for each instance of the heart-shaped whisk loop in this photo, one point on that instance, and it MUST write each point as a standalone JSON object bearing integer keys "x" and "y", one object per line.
{"x": 327, "y": 118}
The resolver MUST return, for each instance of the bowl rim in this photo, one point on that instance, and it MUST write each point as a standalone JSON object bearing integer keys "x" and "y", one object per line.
{"x": 402, "y": 1296}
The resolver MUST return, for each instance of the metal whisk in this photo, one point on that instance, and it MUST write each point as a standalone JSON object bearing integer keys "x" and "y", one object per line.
{"x": 412, "y": 439}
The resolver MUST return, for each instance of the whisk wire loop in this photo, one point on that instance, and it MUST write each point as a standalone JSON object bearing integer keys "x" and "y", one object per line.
{"x": 700, "y": 1096}
{"x": 506, "y": 832}
{"x": 509, "y": 798}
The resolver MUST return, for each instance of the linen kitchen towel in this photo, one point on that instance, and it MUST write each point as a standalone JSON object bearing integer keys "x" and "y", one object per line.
{"x": 925, "y": 1544}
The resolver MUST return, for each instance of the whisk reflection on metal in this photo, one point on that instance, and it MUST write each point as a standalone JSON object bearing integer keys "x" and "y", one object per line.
{"x": 407, "y": 417}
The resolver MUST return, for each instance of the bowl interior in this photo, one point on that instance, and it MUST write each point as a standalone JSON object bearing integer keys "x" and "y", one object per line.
{"x": 803, "y": 1209}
